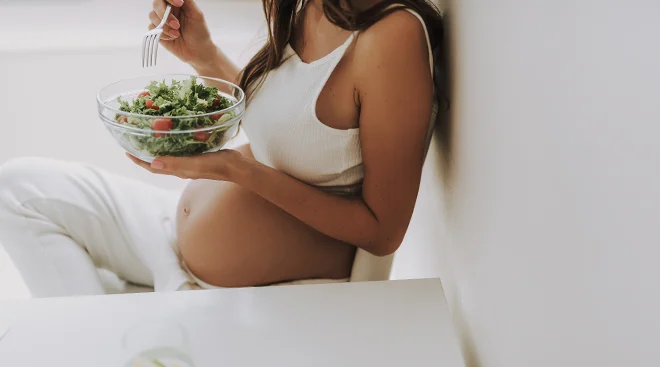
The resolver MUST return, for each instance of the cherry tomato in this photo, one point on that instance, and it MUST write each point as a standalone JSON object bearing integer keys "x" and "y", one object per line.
{"x": 161, "y": 125}
{"x": 216, "y": 102}
{"x": 150, "y": 104}
{"x": 216, "y": 117}
{"x": 202, "y": 136}
{"x": 144, "y": 94}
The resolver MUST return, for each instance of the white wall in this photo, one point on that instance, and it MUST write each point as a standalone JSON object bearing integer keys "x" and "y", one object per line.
{"x": 548, "y": 237}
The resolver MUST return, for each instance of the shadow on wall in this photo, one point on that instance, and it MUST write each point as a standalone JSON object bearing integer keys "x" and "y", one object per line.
{"x": 443, "y": 172}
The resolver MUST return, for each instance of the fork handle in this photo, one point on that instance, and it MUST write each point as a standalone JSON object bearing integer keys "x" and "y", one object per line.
{"x": 165, "y": 16}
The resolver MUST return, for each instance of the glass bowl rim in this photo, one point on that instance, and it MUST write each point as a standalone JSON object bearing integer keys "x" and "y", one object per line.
{"x": 152, "y": 76}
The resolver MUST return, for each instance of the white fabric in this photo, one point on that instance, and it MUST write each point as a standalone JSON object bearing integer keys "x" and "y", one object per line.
{"x": 59, "y": 222}
{"x": 283, "y": 112}
{"x": 200, "y": 284}
{"x": 286, "y": 134}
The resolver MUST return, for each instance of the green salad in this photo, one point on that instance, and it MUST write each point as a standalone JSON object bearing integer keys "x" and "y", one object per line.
{"x": 166, "y": 102}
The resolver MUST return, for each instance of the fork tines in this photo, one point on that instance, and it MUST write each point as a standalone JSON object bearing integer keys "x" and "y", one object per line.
{"x": 151, "y": 41}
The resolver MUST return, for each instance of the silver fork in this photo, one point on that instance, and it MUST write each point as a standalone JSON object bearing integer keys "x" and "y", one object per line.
{"x": 151, "y": 41}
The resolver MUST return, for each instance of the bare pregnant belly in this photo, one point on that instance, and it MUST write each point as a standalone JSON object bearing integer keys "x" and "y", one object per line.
{"x": 230, "y": 237}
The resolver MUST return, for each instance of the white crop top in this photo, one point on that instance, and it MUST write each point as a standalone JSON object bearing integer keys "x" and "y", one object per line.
{"x": 286, "y": 134}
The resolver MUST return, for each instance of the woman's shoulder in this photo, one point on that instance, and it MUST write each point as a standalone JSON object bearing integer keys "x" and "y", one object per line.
{"x": 399, "y": 33}
{"x": 400, "y": 20}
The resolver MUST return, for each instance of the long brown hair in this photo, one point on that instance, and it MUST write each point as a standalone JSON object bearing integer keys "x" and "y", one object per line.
{"x": 281, "y": 17}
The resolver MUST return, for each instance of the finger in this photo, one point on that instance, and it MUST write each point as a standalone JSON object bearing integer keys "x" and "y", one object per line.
{"x": 183, "y": 165}
{"x": 165, "y": 36}
{"x": 167, "y": 31}
{"x": 173, "y": 22}
{"x": 176, "y": 3}
{"x": 170, "y": 33}
{"x": 137, "y": 161}
{"x": 143, "y": 164}
{"x": 155, "y": 19}
{"x": 159, "y": 11}
{"x": 167, "y": 164}
{"x": 160, "y": 5}
{"x": 191, "y": 8}
{"x": 183, "y": 168}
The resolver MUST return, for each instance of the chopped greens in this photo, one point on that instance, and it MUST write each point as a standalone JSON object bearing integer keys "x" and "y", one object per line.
{"x": 166, "y": 102}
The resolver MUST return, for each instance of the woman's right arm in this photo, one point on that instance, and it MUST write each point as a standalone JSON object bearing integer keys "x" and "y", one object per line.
{"x": 187, "y": 36}
{"x": 221, "y": 67}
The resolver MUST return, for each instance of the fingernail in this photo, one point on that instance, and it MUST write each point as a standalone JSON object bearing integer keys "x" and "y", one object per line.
{"x": 174, "y": 33}
{"x": 157, "y": 165}
{"x": 178, "y": 2}
{"x": 174, "y": 24}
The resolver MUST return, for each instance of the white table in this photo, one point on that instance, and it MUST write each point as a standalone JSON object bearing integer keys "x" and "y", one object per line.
{"x": 396, "y": 323}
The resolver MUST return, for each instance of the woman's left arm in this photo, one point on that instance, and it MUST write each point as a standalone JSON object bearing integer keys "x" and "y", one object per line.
{"x": 396, "y": 98}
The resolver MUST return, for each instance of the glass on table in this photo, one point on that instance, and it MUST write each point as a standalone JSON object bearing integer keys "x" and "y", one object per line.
{"x": 157, "y": 343}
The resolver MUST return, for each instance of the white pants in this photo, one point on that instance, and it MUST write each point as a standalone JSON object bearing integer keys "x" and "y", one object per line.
{"x": 62, "y": 222}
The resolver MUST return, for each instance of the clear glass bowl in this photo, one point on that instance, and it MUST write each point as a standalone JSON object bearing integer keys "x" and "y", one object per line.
{"x": 147, "y": 143}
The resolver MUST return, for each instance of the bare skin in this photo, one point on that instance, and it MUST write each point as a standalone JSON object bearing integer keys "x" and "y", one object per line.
{"x": 252, "y": 241}
{"x": 239, "y": 224}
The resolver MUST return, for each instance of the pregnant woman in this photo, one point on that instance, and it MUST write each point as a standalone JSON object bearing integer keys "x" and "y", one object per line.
{"x": 340, "y": 112}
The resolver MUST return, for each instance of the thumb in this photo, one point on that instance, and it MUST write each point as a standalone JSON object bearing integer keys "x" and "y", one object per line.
{"x": 177, "y": 3}
{"x": 190, "y": 7}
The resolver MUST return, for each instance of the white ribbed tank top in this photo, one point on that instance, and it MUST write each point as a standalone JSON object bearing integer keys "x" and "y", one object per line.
{"x": 285, "y": 133}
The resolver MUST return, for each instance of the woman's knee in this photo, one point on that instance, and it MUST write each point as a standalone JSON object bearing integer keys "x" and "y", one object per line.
{"x": 20, "y": 170}
{"x": 22, "y": 178}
